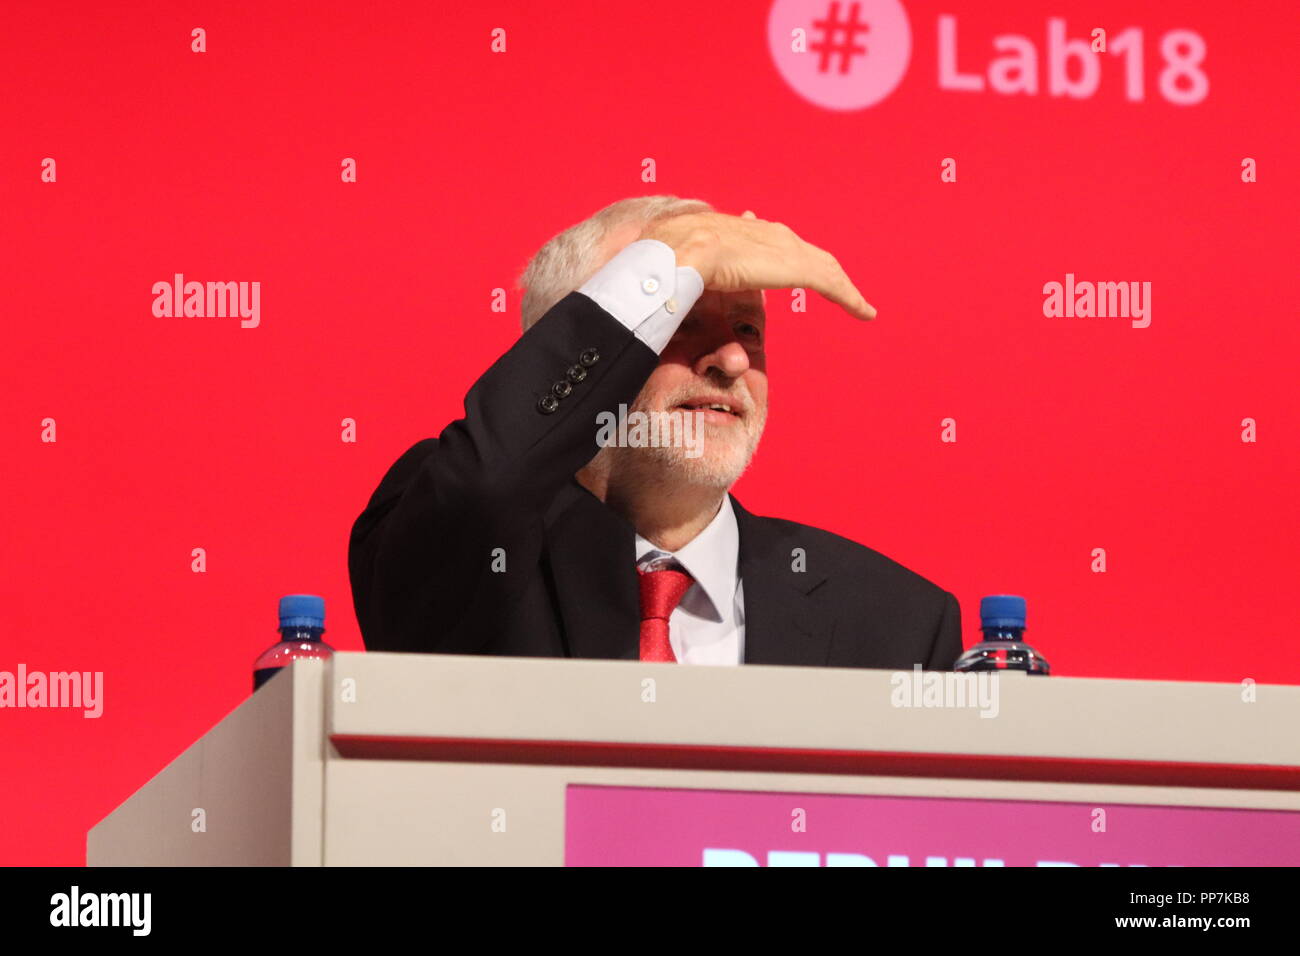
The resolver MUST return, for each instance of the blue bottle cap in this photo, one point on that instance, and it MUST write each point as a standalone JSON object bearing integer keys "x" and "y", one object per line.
{"x": 1002, "y": 610}
{"x": 302, "y": 610}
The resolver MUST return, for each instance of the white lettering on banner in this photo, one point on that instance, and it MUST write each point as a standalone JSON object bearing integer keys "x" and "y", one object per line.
{"x": 716, "y": 856}
{"x": 1073, "y": 69}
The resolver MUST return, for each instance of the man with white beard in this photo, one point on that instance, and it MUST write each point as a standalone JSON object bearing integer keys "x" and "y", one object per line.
{"x": 519, "y": 531}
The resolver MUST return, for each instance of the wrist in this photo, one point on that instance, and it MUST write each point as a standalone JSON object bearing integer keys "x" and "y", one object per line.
{"x": 697, "y": 250}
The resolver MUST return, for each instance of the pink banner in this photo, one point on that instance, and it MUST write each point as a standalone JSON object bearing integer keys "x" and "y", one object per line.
{"x": 635, "y": 826}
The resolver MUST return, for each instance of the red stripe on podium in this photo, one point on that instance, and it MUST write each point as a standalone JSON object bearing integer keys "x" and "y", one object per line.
{"x": 586, "y": 753}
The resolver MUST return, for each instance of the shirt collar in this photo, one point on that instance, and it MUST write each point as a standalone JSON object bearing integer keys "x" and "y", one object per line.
{"x": 711, "y": 557}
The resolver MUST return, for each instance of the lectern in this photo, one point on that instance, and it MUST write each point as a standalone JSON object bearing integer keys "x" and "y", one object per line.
{"x": 427, "y": 759}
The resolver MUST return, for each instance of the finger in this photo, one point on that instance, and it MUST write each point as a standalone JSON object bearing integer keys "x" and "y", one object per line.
{"x": 856, "y": 305}
{"x": 839, "y": 288}
{"x": 748, "y": 214}
{"x": 830, "y": 279}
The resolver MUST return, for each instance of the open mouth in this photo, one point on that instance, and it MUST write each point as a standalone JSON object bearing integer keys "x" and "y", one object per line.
{"x": 721, "y": 408}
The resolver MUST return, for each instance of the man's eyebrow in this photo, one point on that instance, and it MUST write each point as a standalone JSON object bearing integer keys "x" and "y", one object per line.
{"x": 746, "y": 309}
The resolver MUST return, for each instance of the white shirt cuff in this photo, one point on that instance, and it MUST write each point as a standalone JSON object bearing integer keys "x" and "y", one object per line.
{"x": 643, "y": 287}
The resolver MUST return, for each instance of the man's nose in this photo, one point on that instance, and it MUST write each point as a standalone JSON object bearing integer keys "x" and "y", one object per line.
{"x": 728, "y": 357}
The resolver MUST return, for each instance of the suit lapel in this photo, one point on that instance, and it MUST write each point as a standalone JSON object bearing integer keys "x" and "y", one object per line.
{"x": 591, "y": 551}
{"x": 784, "y": 622}
{"x": 591, "y": 555}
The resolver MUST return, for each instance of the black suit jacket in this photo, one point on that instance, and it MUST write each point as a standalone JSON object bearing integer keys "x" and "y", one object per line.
{"x": 498, "y": 486}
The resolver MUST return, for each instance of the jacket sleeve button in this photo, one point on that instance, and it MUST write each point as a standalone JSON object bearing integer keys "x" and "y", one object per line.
{"x": 548, "y": 404}
{"x": 561, "y": 389}
{"x": 576, "y": 373}
{"x": 589, "y": 357}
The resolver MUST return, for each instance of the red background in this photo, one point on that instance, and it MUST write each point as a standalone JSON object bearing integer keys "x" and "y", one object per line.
{"x": 181, "y": 433}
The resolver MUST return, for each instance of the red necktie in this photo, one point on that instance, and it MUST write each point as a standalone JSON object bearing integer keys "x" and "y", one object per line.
{"x": 661, "y": 591}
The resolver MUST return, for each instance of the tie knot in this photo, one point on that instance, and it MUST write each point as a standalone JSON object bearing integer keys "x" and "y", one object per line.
{"x": 661, "y": 591}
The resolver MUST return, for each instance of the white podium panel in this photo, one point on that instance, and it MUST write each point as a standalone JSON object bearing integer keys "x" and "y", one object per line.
{"x": 434, "y": 759}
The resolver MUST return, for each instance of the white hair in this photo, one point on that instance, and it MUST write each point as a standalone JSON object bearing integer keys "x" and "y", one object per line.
{"x": 574, "y": 256}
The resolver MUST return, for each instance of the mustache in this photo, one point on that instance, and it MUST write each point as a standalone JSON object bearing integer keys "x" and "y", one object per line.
{"x": 737, "y": 396}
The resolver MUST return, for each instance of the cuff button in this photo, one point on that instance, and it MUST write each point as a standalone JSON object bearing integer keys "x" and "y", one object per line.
{"x": 589, "y": 357}
{"x": 561, "y": 389}
{"x": 576, "y": 373}
{"x": 548, "y": 404}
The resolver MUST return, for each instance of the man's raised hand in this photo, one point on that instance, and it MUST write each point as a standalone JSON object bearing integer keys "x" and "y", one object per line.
{"x": 740, "y": 253}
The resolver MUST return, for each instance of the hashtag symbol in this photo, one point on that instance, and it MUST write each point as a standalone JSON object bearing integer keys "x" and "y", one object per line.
{"x": 830, "y": 28}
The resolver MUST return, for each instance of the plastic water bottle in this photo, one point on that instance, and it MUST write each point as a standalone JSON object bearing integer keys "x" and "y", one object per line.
{"x": 1002, "y": 618}
{"x": 302, "y": 622}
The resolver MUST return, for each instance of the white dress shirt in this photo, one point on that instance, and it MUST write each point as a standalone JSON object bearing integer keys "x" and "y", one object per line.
{"x": 643, "y": 287}
{"x": 708, "y": 626}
